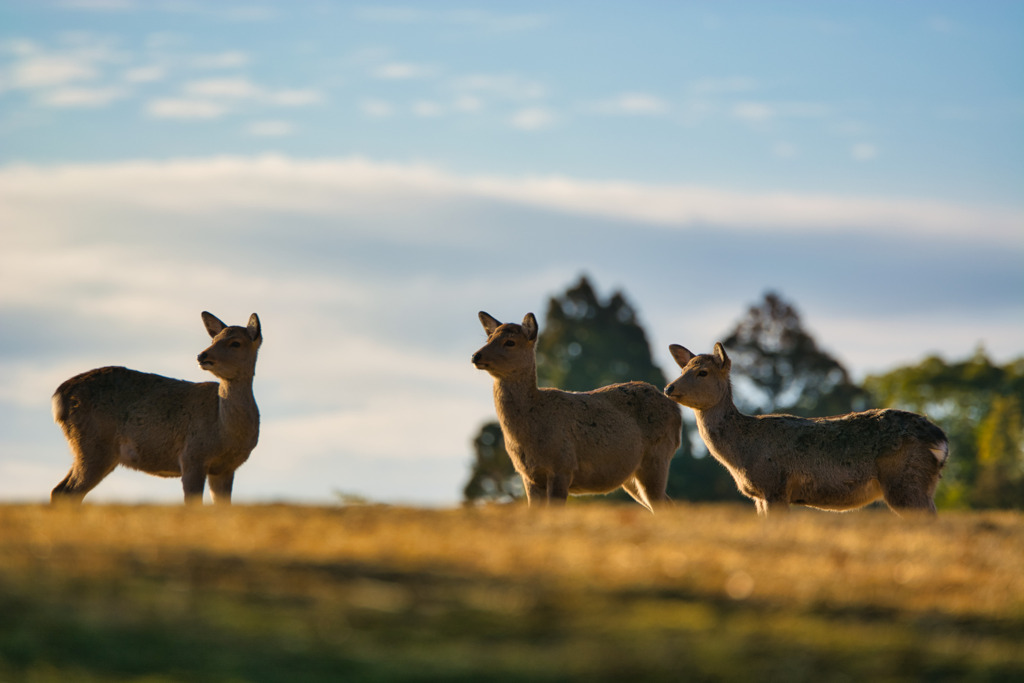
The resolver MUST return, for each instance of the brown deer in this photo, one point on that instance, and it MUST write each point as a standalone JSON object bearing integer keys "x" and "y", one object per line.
{"x": 168, "y": 427}
{"x": 563, "y": 442}
{"x": 831, "y": 463}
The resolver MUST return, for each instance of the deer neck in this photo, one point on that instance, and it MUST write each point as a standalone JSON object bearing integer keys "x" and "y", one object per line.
{"x": 239, "y": 415}
{"x": 513, "y": 396}
{"x": 721, "y": 426}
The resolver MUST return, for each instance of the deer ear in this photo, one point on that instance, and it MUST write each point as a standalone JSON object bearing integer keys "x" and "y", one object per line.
{"x": 530, "y": 326}
{"x": 681, "y": 354}
{"x": 255, "y": 332}
{"x": 722, "y": 357}
{"x": 489, "y": 322}
{"x": 213, "y": 324}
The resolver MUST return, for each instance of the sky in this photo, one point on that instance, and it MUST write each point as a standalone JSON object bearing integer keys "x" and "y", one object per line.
{"x": 368, "y": 176}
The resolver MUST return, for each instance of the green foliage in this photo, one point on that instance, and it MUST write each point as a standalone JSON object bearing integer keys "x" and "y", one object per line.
{"x": 978, "y": 405}
{"x": 586, "y": 343}
{"x": 493, "y": 478}
{"x": 779, "y": 367}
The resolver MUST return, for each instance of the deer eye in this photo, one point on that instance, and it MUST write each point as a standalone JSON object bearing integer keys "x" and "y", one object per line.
{"x": 510, "y": 342}
{"x": 702, "y": 373}
{"x": 235, "y": 344}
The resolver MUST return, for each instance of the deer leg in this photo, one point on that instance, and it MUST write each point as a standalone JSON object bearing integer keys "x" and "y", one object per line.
{"x": 85, "y": 474}
{"x": 774, "y": 505}
{"x": 913, "y": 488}
{"x": 652, "y": 480}
{"x": 558, "y": 489}
{"x": 632, "y": 487}
{"x": 535, "y": 493}
{"x": 220, "y": 487}
{"x": 193, "y": 481}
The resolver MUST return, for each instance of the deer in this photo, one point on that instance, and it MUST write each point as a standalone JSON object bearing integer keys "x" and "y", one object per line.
{"x": 162, "y": 426}
{"x": 836, "y": 463}
{"x": 564, "y": 442}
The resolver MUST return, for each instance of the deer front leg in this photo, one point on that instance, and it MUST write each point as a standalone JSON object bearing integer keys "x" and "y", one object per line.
{"x": 220, "y": 487}
{"x": 193, "y": 481}
{"x": 558, "y": 489}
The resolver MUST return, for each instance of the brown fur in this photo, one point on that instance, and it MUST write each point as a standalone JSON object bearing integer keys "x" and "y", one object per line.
{"x": 168, "y": 427}
{"x": 564, "y": 442}
{"x": 832, "y": 463}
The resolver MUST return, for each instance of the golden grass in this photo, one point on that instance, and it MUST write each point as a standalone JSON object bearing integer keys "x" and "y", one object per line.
{"x": 595, "y": 591}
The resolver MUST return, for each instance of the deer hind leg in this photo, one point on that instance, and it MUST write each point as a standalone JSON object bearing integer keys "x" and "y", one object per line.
{"x": 220, "y": 487}
{"x": 632, "y": 487}
{"x": 651, "y": 480}
{"x": 94, "y": 460}
{"x": 775, "y": 506}
{"x": 913, "y": 487}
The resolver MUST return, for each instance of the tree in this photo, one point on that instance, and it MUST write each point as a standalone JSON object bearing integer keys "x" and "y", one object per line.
{"x": 781, "y": 369}
{"x": 1000, "y": 482}
{"x": 584, "y": 343}
{"x": 493, "y": 477}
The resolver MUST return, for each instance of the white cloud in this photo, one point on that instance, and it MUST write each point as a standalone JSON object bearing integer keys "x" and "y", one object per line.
{"x": 232, "y": 88}
{"x": 759, "y": 112}
{"x": 533, "y": 118}
{"x": 81, "y": 97}
{"x": 100, "y": 5}
{"x": 785, "y": 150}
{"x": 754, "y": 111}
{"x": 182, "y": 108}
{"x": 222, "y": 60}
{"x": 376, "y": 109}
{"x": 468, "y": 104}
{"x": 243, "y": 89}
{"x": 50, "y": 70}
{"x": 270, "y": 128}
{"x": 328, "y": 185}
{"x": 633, "y": 104}
{"x": 427, "y": 109}
{"x": 864, "y": 151}
{"x": 144, "y": 74}
{"x": 396, "y": 71}
{"x": 724, "y": 86}
{"x": 479, "y": 20}
{"x": 293, "y": 98}
{"x": 504, "y": 86}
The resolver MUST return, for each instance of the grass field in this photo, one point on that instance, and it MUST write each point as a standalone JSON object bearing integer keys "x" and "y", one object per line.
{"x": 590, "y": 592}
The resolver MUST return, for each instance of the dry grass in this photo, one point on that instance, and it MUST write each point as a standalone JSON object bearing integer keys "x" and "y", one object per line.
{"x": 592, "y": 591}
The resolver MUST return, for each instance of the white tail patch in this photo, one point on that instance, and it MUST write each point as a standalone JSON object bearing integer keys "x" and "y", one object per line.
{"x": 941, "y": 452}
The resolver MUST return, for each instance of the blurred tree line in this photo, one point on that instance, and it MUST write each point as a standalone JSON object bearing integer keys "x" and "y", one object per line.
{"x": 777, "y": 368}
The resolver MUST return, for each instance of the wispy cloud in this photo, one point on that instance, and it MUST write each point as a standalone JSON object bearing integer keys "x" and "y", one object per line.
{"x": 402, "y": 71}
{"x": 144, "y": 74}
{"x": 328, "y": 185}
{"x": 81, "y": 97}
{"x": 533, "y": 118}
{"x": 479, "y": 20}
{"x": 183, "y": 108}
{"x": 229, "y": 59}
{"x": 50, "y": 70}
{"x": 270, "y": 128}
{"x": 376, "y": 108}
{"x": 504, "y": 86}
{"x": 633, "y": 104}
{"x": 864, "y": 151}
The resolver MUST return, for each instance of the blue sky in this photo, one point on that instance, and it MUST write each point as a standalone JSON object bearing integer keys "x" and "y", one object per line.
{"x": 368, "y": 176}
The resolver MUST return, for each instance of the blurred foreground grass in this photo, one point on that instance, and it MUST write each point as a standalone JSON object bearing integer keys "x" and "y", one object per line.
{"x": 594, "y": 592}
